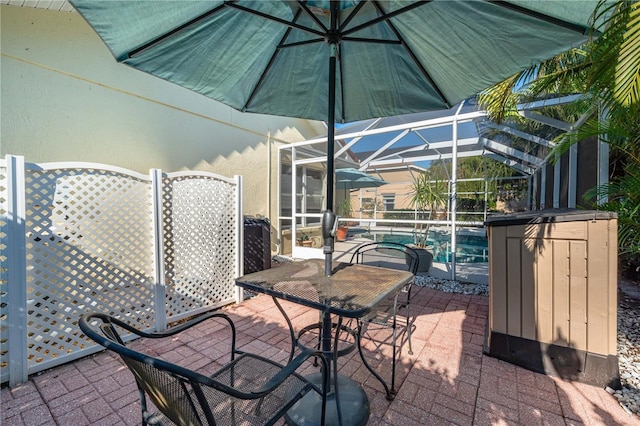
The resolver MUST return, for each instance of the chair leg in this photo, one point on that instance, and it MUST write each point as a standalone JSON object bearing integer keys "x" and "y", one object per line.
{"x": 395, "y": 357}
{"x": 362, "y": 327}
{"x": 409, "y": 330}
{"x": 294, "y": 340}
{"x": 319, "y": 344}
{"x": 335, "y": 369}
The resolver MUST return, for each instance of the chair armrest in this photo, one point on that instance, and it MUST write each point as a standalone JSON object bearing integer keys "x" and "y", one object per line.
{"x": 192, "y": 322}
{"x": 290, "y": 368}
{"x": 109, "y": 321}
{"x": 159, "y": 334}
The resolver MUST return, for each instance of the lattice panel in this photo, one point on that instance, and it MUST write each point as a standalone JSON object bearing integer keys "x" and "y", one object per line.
{"x": 4, "y": 296}
{"x": 89, "y": 246}
{"x": 199, "y": 242}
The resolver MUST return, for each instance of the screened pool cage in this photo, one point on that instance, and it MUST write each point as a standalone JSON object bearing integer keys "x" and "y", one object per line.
{"x": 476, "y": 168}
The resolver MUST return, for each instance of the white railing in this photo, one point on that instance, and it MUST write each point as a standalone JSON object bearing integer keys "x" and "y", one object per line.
{"x": 78, "y": 237}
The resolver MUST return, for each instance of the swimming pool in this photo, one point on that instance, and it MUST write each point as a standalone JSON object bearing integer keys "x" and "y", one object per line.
{"x": 471, "y": 246}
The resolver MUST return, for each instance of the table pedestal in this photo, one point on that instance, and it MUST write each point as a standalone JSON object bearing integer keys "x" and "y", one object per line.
{"x": 354, "y": 405}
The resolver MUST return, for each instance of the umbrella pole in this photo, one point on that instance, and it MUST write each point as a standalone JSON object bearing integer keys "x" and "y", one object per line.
{"x": 329, "y": 219}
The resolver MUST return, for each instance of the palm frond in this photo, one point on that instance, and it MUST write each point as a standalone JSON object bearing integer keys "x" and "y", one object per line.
{"x": 562, "y": 74}
{"x": 628, "y": 69}
{"x": 615, "y": 74}
{"x": 499, "y": 100}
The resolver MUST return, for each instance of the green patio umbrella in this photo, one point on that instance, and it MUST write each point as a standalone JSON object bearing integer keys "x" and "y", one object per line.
{"x": 350, "y": 178}
{"x": 336, "y": 60}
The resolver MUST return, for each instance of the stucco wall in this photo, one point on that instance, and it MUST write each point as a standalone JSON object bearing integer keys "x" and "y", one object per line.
{"x": 399, "y": 182}
{"x": 64, "y": 98}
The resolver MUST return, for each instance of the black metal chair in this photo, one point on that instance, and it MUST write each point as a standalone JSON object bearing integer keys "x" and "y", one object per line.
{"x": 396, "y": 256}
{"x": 248, "y": 390}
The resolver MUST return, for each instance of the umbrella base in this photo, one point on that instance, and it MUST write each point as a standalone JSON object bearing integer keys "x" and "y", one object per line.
{"x": 354, "y": 405}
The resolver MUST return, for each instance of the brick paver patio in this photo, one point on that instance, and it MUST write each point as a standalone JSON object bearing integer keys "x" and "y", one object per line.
{"x": 448, "y": 380}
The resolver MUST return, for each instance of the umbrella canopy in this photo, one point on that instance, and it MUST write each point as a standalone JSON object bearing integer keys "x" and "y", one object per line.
{"x": 394, "y": 57}
{"x": 355, "y": 179}
{"x": 347, "y": 59}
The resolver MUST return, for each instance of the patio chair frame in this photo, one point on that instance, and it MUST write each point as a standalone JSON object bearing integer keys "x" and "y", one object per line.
{"x": 385, "y": 314}
{"x": 186, "y": 397}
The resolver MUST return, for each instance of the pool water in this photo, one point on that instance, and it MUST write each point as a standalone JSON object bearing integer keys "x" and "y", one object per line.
{"x": 470, "y": 247}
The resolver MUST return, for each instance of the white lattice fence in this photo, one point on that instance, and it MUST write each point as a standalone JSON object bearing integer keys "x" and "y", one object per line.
{"x": 91, "y": 238}
{"x": 4, "y": 299}
{"x": 200, "y": 231}
{"x": 90, "y": 247}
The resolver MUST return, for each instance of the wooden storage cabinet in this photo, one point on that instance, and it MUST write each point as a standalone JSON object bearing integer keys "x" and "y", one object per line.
{"x": 553, "y": 293}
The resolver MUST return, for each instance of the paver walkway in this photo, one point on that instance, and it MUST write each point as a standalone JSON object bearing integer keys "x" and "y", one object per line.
{"x": 448, "y": 380}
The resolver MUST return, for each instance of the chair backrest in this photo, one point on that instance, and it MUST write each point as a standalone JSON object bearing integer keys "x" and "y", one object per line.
{"x": 248, "y": 389}
{"x": 166, "y": 384}
{"x": 387, "y": 255}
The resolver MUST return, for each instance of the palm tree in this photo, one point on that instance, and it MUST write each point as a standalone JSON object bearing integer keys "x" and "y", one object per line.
{"x": 607, "y": 71}
{"x": 428, "y": 193}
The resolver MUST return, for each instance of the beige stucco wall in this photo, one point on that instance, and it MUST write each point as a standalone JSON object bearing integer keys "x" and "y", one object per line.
{"x": 64, "y": 98}
{"x": 399, "y": 183}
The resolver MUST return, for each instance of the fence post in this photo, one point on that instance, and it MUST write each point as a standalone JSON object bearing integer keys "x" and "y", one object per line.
{"x": 158, "y": 250}
{"x": 17, "y": 271}
{"x": 239, "y": 238}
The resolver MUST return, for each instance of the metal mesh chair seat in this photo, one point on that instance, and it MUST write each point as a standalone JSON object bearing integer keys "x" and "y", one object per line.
{"x": 248, "y": 373}
{"x": 248, "y": 390}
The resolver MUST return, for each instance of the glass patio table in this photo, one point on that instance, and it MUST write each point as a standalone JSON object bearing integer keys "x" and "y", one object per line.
{"x": 351, "y": 292}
